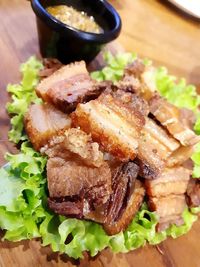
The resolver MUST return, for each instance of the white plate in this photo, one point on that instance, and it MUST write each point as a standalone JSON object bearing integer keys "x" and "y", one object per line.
{"x": 192, "y": 7}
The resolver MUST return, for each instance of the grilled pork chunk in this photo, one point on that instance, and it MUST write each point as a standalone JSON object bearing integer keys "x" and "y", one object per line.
{"x": 73, "y": 178}
{"x": 111, "y": 123}
{"x": 170, "y": 181}
{"x": 77, "y": 143}
{"x": 193, "y": 193}
{"x": 68, "y": 86}
{"x": 42, "y": 122}
{"x": 155, "y": 146}
{"x": 168, "y": 206}
{"x": 170, "y": 117}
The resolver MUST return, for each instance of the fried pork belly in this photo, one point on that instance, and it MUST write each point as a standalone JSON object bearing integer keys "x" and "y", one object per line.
{"x": 136, "y": 68}
{"x": 75, "y": 142}
{"x": 133, "y": 204}
{"x": 51, "y": 65}
{"x": 73, "y": 178}
{"x": 170, "y": 117}
{"x": 179, "y": 156}
{"x": 42, "y": 122}
{"x": 68, "y": 86}
{"x": 193, "y": 193}
{"x": 111, "y": 123}
{"x": 155, "y": 146}
{"x": 170, "y": 181}
{"x": 164, "y": 223}
{"x": 167, "y": 206}
{"x": 132, "y": 100}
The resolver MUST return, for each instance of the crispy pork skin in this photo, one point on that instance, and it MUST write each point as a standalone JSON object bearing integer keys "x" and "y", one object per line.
{"x": 75, "y": 143}
{"x": 132, "y": 206}
{"x": 135, "y": 68}
{"x": 167, "y": 206}
{"x": 68, "y": 86}
{"x": 170, "y": 117}
{"x": 111, "y": 123}
{"x": 170, "y": 181}
{"x": 193, "y": 192}
{"x": 155, "y": 146}
{"x": 42, "y": 122}
{"x": 180, "y": 156}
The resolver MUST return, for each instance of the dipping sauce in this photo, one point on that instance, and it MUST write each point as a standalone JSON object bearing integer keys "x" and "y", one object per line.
{"x": 74, "y": 18}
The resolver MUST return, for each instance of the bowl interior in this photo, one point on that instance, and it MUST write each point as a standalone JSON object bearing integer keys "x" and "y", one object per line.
{"x": 102, "y": 12}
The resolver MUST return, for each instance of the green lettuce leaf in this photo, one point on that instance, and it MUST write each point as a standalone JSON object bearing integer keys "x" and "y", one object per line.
{"x": 22, "y": 95}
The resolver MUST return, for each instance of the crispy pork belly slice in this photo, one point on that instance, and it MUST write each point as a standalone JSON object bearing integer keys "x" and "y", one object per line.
{"x": 79, "y": 144}
{"x": 68, "y": 86}
{"x": 148, "y": 83}
{"x": 133, "y": 205}
{"x": 111, "y": 123}
{"x": 193, "y": 192}
{"x": 170, "y": 117}
{"x": 164, "y": 223}
{"x": 155, "y": 146}
{"x": 73, "y": 178}
{"x": 179, "y": 156}
{"x": 132, "y": 100}
{"x": 167, "y": 206}
{"x": 135, "y": 68}
{"x": 42, "y": 122}
{"x": 170, "y": 181}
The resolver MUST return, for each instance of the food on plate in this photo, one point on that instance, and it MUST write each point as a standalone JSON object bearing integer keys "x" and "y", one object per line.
{"x": 110, "y": 173}
{"x": 74, "y": 18}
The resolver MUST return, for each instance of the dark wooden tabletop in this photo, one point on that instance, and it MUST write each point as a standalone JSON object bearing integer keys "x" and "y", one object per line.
{"x": 153, "y": 29}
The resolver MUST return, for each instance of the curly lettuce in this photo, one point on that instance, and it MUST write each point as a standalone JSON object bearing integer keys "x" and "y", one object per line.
{"x": 23, "y": 195}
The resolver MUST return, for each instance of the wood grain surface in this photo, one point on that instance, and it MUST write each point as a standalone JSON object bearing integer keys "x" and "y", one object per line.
{"x": 153, "y": 29}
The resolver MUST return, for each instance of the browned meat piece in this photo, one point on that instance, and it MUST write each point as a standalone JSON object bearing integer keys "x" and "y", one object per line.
{"x": 133, "y": 204}
{"x": 170, "y": 117}
{"x": 193, "y": 192}
{"x": 51, "y": 65}
{"x": 148, "y": 86}
{"x": 170, "y": 181}
{"x": 111, "y": 123}
{"x": 187, "y": 117}
{"x": 164, "y": 223}
{"x": 167, "y": 206}
{"x": 155, "y": 146}
{"x": 73, "y": 178}
{"x": 181, "y": 155}
{"x": 136, "y": 68}
{"x": 67, "y": 206}
{"x": 79, "y": 144}
{"x": 68, "y": 86}
{"x": 132, "y": 100}
{"x": 123, "y": 180}
{"x": 42, "y": 122}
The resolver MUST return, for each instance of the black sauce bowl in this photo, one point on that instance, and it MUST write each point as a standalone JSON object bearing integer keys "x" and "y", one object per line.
{"x": 68, "y": 44}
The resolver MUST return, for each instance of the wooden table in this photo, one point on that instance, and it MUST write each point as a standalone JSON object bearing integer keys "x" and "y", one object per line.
{"x": 153, "y": 29}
